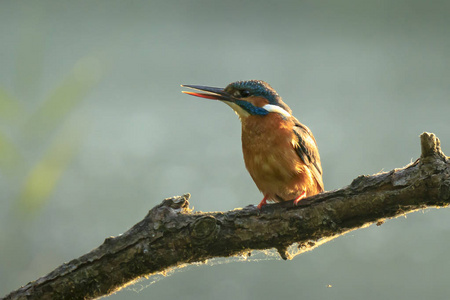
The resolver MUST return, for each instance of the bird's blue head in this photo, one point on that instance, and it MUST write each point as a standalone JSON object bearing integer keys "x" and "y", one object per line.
{"x": 251, "y": 97}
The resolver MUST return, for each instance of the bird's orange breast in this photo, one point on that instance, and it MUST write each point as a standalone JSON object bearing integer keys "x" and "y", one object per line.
{"x": 270, "y": 158}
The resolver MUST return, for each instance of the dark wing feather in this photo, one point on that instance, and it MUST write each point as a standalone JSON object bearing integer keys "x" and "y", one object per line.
{"x": 306, "y": 148}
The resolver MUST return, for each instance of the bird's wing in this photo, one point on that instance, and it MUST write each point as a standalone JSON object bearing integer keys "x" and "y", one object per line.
{"x": 306, "y": 148}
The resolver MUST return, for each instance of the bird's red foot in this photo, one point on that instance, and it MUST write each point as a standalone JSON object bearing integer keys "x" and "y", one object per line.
{"x": 300, "y": 197}
{"x": 262, "y": 203}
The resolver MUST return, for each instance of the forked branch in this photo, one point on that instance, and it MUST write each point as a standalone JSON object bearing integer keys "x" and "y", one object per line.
{"x": 171, "y": 234}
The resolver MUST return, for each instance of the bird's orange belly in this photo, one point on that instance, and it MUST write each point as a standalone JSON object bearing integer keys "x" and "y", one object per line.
{"x": 272, "y": 161}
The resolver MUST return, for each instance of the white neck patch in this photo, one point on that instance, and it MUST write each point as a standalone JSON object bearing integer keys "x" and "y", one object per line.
{"x": 277, "y": 109}
{"x": 237, "y": 109}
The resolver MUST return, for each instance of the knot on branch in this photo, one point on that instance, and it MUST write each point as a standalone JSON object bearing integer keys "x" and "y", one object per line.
{"x": 177, "y": 202}
{"x": 205, "y": 229}
{"x": 431, "y": 145}
{"x": 164, "y": 216}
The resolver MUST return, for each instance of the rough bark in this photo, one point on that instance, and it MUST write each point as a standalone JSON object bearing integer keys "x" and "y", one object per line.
{"x": 172, "y": 235}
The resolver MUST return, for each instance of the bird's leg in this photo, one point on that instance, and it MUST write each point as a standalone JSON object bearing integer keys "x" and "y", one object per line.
{"x": 263, "y": 202}
{"x": 300, "y": 197}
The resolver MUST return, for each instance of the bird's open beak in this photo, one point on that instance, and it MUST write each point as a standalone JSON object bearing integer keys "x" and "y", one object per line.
{"x": 212, "y": 92}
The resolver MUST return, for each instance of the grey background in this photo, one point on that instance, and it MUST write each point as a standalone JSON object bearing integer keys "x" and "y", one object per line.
{"x": 366, "y": 76}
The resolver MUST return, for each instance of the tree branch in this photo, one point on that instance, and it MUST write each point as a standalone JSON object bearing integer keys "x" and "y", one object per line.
{"x": 172, "y": 235}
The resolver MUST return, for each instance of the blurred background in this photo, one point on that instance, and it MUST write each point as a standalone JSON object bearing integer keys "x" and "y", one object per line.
{"x": 94, "y": 132}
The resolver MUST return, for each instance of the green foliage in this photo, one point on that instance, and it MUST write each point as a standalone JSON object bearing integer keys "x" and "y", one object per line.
{"x": 43, "y": 177}
{"x": 38, "y": 143}
{"x": 9, "y": 154}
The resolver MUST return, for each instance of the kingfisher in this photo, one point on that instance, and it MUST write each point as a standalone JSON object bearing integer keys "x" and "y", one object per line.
{"x": 280, "y": 153}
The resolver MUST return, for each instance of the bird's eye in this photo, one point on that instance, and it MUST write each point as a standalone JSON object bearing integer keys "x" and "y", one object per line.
{"x": 245, "y": 93}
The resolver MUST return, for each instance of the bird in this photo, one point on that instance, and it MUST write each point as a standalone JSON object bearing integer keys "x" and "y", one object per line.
{"x": 280, "y": 153}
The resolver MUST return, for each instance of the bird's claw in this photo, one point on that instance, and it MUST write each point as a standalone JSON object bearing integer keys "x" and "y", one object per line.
{"x": 300, "y": 197}
{"x": 262, "y": 203}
